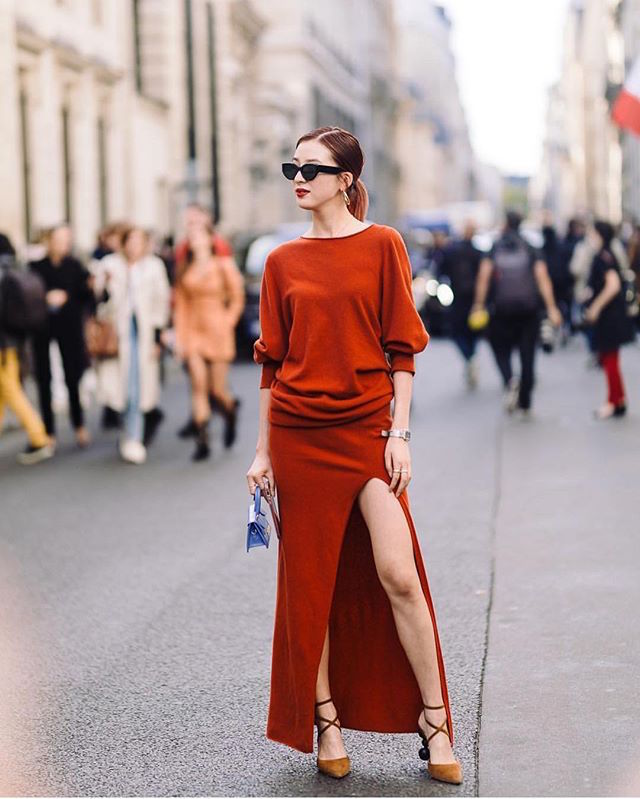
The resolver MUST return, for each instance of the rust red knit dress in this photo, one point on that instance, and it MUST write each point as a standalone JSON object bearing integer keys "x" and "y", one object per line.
{"x": 329, "y": 311}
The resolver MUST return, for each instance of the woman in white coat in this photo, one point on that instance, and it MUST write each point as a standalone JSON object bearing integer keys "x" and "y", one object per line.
{"x": 135, "y": 287}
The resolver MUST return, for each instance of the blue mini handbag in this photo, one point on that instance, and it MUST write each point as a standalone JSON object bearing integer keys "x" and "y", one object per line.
{"x": 258, "y": 527}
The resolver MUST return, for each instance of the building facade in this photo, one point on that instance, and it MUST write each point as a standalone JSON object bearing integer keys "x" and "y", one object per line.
{"x": 79, "y": 143}
{"x": 326, "y": 64}
{"x": 582, "y": 166}
{"x": 130, "y": 109}
{"x": 630, "y": 27}
{"x": 437, "y": 161}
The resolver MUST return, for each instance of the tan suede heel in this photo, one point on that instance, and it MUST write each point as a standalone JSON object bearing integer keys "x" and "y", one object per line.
{"x": 338, "y": 766}
{"x": 445, "y": 772}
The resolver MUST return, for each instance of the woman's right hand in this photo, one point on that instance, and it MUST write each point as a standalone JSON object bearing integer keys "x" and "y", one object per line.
{"x": 56, "y": 298}
{"x": 260, "y": 472}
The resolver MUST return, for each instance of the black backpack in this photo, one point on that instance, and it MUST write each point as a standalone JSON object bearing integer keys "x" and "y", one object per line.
{"x": 23, "y": 301}
{"x": 514, "y": 287}
{"x": 629, "y": 292}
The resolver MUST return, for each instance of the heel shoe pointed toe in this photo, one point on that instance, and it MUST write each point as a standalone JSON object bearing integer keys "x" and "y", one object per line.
{"x": 337, "y": 767}
{"x": 444, "y": 772}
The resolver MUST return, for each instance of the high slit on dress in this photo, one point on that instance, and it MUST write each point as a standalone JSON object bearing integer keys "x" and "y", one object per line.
{"x": 327, "y": 574}
{"x": 329, "y": 311}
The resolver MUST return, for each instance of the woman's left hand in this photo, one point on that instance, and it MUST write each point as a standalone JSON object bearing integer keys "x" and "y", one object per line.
{"x": 591, "y": 315}
{"x": 397, "y": 460}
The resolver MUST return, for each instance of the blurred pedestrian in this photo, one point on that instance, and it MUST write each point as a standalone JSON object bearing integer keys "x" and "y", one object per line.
{"x": 70, "y": 299}
{"x": 436, "y": 252}
{"x": 460, "y": 262}
{"x": 606, "y": 311}
{"x": 634, "y": 255}
{"x": 557, "y": 256}
{"x": 109, "y": 242}
{"x": 580, "y": 266}
{"x": 12, "y": 339}
{"x": 512, "y": 279}
{"x": 339, "y": 330}
{"x": 566, "y": 289}
{"x": 166, "y": 251}
{"x": 134, "y": 286}
{"x": 196, "y": 217}
{"x": 209, "y": 300}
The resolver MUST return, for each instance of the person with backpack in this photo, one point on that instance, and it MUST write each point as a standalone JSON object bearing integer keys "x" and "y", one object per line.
{"x": 607, "y": 314}
{"x": 69, "y": 297}
{"x": 460, "y": 263}
{"x": 22, "y": 308}
{"x": 513, "y": 278}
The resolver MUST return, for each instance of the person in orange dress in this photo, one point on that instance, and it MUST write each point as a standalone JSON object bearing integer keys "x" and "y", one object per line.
{"x": 355, "y": 641}
{"x": 196, "y": 216}
{"x": 209, "y": 299}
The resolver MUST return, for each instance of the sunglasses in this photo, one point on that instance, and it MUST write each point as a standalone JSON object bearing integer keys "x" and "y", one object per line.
{"x": 308, "y": 171}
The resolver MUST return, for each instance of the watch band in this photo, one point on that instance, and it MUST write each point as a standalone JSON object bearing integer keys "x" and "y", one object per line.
{"x": 397, "y": 433}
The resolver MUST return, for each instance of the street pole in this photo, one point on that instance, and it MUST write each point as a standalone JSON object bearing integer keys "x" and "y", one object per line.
{"x": 191, "y": 106}
{"x": 213, "y": 107}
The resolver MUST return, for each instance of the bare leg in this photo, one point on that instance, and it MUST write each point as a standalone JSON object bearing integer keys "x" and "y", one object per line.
{"x": 199, "y": 389}
{"x": 395, "y": 564}
{"x": 330, "y": 744}
{"x": 218, "y": 384}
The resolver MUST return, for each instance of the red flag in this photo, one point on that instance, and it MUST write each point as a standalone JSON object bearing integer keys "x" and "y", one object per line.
{"x": 626, "y": 109}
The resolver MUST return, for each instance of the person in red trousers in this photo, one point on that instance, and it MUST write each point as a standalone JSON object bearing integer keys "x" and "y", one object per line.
{"x": 607, "y": 312}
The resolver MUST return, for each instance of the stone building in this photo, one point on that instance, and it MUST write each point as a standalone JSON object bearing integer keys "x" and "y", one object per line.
{"x": 437, "y": 161}
{"x": 630, "y": 27}
{"x": 129, "y": 109}
{"x": 581, "y": 170}
{"x": 121, "y": 109}
{"x": 79, "y": 143}
{"x": 326, "y": 64}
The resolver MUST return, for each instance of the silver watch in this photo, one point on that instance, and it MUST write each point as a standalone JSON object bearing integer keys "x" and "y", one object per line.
{"x": 398, "y": 433}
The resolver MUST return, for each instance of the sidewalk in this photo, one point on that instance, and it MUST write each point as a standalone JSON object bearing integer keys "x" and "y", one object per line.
{"x": 561, "y": 687}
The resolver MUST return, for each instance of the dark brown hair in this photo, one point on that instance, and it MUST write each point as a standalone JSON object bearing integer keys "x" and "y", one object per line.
{"x": 128, "y": 229}
{"x": 348, "y": 155}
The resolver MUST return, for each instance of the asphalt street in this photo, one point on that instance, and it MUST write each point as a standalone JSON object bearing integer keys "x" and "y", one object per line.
{"x": 135, "y": 630}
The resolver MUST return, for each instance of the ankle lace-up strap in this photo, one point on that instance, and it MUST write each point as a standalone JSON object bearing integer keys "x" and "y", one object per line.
{"x": 437, "y": 727}
{"x": 330, "y": 722}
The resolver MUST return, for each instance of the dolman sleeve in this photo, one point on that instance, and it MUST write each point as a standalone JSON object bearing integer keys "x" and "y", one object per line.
{"x": 403, "y": 333}
{"x": 270, "y": 349}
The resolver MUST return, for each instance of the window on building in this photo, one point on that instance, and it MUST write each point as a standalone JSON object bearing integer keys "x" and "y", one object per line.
{"x": 26, "y": 162}
{"x": 96, "y": 12}
{"x": 103, "y": 186}
{"x": 151, "y": 30}
{"x": 213, "y": 113}
{"x": 137, "y": 45}
{"x": 66, "y": 164}
{"x": 327, "y": 113}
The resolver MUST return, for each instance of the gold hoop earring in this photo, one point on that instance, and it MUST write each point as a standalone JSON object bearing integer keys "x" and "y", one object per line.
{"x": 346, "y": 198}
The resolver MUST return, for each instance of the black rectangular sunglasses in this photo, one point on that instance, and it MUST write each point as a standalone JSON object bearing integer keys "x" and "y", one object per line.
{"x": 308, "y": 171}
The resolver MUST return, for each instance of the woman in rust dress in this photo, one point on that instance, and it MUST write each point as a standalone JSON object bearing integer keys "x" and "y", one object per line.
{"x": 209, "y": 299}
{"x": 355, "y": 637}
